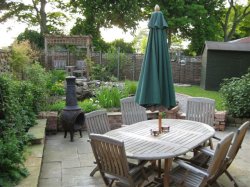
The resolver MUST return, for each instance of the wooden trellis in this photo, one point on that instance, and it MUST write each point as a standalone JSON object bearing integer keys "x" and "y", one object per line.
{"x": 77, "y": 40}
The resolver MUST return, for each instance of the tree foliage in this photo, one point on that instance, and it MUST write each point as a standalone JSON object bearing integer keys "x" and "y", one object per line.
{"x": 193, "y": 20}
{"x": 232, "y": 18}
{"x": 122, "y": 45}
{"x": 236, "y": 94}
{"x": 35, "y": 38}
{"x": 35, "y": 14}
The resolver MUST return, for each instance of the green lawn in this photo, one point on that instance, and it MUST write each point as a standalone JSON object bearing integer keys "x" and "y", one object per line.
{"x": 196, "y": 91}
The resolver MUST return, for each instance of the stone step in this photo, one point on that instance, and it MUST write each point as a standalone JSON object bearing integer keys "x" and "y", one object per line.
{"x": 37, "y": 132}
{"x": 35, "y": 155}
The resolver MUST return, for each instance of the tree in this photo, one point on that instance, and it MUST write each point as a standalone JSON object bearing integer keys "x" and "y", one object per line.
{"x": 104, "y": 13}
{"x": 124, "y": 46}
{"x": 34, "y": 13}
{"x": 234, "y": 15}
{"x": 193, "y": 20}
{"x": 243, "y": 29}
{"x": 35, "y": 38}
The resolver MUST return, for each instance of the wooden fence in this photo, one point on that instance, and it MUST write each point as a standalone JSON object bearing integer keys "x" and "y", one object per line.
{"x": 185, "y": 71}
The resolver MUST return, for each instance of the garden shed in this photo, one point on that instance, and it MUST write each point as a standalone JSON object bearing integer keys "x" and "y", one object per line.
{"x": 222, "y": 60}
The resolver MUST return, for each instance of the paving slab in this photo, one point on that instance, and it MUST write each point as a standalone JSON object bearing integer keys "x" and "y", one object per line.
{"x": 68, "y": 164}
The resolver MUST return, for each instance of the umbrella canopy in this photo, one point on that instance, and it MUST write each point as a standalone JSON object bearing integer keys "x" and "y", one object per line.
{"x": 155, "y": 87}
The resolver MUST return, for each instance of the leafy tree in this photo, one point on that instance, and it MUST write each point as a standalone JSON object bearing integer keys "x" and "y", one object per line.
{"x": 243, "y": 29}
{"x": 88, "y": 27}
{"x": 124, "y": 47}
{"x": 140, "y": 40}
{"x": 233, "y": 16}
{"x": 103, "y": 13}
{"x": 193, "y": 20}
{"x": 33, "y": 37}
{"x": 34, "y": 13}
{"x": 106, "y": 13}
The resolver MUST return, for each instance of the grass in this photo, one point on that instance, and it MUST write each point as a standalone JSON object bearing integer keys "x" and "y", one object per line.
{"x": 196, "y": 91}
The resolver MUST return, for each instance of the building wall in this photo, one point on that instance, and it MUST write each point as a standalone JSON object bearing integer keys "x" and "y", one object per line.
{"x": 224, "y": 64}
{"x": 203, "y": 68}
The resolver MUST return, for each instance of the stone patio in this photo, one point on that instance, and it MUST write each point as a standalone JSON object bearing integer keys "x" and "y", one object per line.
{"x": 68, "y": 164}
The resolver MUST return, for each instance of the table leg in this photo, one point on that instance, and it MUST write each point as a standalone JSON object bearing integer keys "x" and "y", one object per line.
{"x": 167, "y": 167}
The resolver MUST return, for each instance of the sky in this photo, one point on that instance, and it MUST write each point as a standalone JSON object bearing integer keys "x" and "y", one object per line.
{"x": 11, "y": 29}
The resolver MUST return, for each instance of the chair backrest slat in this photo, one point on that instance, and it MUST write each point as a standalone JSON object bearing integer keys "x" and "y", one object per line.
{"x": 237, "y": 141}
{"x": 97, "y": 122}
{"x": 219, "y": 155}
{"x": 201, "y": 109}
{"x": 110, "y": 156}
{"x": 131, "y": 111}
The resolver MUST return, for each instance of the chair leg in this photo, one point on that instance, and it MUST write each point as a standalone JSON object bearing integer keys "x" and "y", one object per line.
{"x": 231, "y": 178}
{"x": 80, "y": 131}
{"x": 159, "y": 168}
{"x": 211, "y": 143}
{"x": 94, "y": 171}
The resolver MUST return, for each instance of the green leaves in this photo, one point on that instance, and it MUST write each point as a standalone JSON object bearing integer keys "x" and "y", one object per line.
{"x": 236, "y": 93}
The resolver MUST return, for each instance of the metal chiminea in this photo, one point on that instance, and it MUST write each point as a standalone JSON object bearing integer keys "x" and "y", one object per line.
{"x": 72, "y": 117}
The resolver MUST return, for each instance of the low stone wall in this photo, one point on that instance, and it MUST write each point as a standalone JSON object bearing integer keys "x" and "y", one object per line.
{"x": 221, "y": 120}
{"x": 115, "y": 119}
{"x": 235, "y": 122}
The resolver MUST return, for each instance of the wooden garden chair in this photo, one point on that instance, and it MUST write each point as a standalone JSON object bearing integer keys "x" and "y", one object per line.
{"x": 202, "y": 110}
{"x": 189, "y": 175}
{"x": 204, "y": 157}
{"x": 97, "y": 122}
{"x": 131, "y": 111}
{"x": 112, "y": 162}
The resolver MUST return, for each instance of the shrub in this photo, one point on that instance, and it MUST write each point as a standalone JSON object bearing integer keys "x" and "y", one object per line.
{"x": 58, "y": 75}
{"x": 16, "y": 117}
{"x": 56, "y": 83}
{"x": 236, "y": 94}
{"x": 57, "y": 106}
{"x": 36, "y": 75}
{"x": 109, "y": 97}
{"x": 89, "y": 105}
{"x": 130, "y": 87}
{"x": 21, "y": 57}
{"x": 11, "y": 159}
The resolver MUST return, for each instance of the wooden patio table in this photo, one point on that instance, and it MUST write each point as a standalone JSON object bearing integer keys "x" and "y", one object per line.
{"x": 183, "y": 136}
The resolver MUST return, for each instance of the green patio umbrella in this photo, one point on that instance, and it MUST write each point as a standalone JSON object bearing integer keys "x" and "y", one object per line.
{"x": 155, "y": 88}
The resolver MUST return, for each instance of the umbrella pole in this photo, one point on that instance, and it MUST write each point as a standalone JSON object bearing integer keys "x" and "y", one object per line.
{"x": 160, "y": 121}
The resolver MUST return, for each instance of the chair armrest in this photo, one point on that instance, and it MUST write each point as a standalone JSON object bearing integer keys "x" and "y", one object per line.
{"x": 206, "y": 151}
{"x": 138, "y": 167}
{"x": 217, "y": 138}
{"x": 191, "y": 168}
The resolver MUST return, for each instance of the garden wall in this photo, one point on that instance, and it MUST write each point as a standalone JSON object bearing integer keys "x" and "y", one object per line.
{"x": 222, "y": 120}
